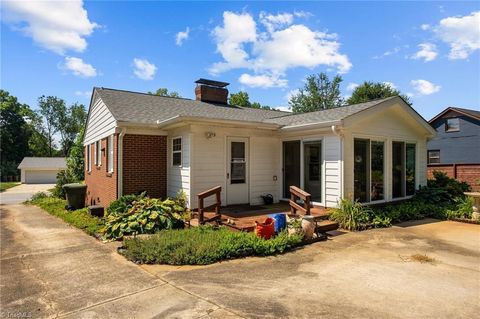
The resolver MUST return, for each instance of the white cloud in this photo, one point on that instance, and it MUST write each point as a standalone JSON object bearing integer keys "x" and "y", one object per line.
{"x": 462, "y": 34}
{"x": 273, "y": 22}
{"x": 262, "y": 81}
{"x": 291, "y": 93}
{"x": 428, "y": 52}
{"x": 388, "y": 52}
{"x": 143, "y": 69}
{"x": 425, "y": 27}
{"x": 352, "y": 86}
{"x": 424, "y": 87}
{"x": 55, "y": 25}
{"x": 284, "y": 108}
{"x": 79, "y": 68}
{"x": 281, "y": 46}
{"x": 182, "y": 36}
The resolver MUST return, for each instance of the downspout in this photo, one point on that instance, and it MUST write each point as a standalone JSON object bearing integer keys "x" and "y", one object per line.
{"x": 123, "y": 130}
{"x": 338, "y": 132}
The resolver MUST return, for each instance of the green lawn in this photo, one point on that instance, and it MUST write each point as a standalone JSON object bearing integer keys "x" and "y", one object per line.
{"x": 6, "y": 185}
{"x": 79, "y": 218}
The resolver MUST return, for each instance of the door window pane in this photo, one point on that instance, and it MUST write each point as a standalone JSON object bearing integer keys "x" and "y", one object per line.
{"x": 398, "y": 169}
{"x": 410, "y": 169}
{"x": 312, "y": 154}
{"x": 360, "y": 169}
{"x": 238, "y": 164}
{"x": 291, "y": 166}
{"x": 377, "y": 164}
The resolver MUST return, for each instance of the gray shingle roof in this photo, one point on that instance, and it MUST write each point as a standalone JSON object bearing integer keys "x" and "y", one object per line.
{"x": 43, "y": 162}
{"x": 144, "y": 108}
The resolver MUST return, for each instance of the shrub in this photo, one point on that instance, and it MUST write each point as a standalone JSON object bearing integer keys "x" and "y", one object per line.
{"x": 63, "y": 177}
{"x": 38, "y": 196}
{"x": 124, "y": 203}
{"x": 351, "y": 215}
{"x": 442, "y": 190}
{"x": 463, "y": 209}
{"x": 145, "y": 216}
{"x": 204, "y": 245}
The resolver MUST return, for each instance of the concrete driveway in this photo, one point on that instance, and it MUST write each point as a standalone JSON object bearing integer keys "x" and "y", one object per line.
{"x": 22, "y": 192}
{"x": 50, "y": 269}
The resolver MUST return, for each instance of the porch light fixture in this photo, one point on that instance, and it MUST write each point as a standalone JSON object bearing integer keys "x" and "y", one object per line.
{"x": 209, "y": 135}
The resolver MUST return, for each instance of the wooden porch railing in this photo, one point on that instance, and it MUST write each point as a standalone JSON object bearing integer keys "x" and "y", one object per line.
{"x": 296, "y": 194}
{"x": 201, "y": 209}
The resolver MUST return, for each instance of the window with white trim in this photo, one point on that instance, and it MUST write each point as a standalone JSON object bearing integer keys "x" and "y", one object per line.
{"x": 98, "y": 153}
{"x": 177, "y": 151}
{"x": 452, "y": 125}
{"x": 89, "y": 157}
{"x": 434, "y": 157}
{"x": 110, "y": 154}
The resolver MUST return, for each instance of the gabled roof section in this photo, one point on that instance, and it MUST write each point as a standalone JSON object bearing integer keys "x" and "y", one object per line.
{"x": 325, "y": 116}
{"x": 467, "y": 112}
{"x": 43, "y": 163}
{"x": 144, "y": 108}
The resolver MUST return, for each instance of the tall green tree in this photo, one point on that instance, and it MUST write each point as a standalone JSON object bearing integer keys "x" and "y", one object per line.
{"x": 318, "y": 93}
{"x": 165, "y": 92}
{"x": 14, "y": 133}
{"x": 49, "y": 106}
{"x": 76, "y": 159}
{"x": 369, "y": 91}
{"x": 241, "y": 98}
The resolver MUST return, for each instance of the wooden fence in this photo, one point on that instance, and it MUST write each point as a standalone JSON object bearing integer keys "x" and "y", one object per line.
{"x": 469, "y": 173}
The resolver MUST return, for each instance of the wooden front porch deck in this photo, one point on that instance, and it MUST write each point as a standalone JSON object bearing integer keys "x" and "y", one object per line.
{"x": 243, "y": 217}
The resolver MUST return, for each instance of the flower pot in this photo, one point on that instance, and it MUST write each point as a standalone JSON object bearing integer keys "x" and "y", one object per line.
{"x": 308, "y": 226}
{"x": 266, "y": 229}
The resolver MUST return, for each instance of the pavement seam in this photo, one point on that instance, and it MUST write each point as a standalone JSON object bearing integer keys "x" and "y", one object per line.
{"x": 108, "y": 301}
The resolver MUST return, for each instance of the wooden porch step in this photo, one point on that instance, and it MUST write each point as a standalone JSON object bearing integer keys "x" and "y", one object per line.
{"x": 325, "y": 226}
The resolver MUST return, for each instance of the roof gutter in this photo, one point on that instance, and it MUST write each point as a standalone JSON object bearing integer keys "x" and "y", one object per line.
{"x": 311, "y": 125}
{"x": 179, "y": 119}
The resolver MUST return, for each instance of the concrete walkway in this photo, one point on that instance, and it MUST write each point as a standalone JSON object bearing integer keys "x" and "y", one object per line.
{"x": 22, "y": 192}
{"x": 49, "y": 269}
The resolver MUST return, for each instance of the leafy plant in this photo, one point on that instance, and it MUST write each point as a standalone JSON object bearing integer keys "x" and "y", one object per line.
{"x": 442, "y": 189}
{"x": 463, "y": 209}
{"x": 63, "y": 177}
{"x": 124, "y": 203}
{"x": 204, "y": 245}
{"x": 351, "y": 215}
{"x": 39, "y": 196}
{"x": 145, "y": 216}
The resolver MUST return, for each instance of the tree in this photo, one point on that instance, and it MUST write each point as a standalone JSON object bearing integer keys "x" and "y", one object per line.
{"x": 76, "y": 159}
{"x": 374, "y": 90}
{"x": 241, "y": 98}
{"x": 14, "y": 133}
{"x": 49, "y": 107}
{"x": 164, "y": 92}
{"x": 319, "y": 93}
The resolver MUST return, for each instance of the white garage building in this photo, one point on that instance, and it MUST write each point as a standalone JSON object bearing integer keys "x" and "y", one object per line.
{"x": 41, "y": 170}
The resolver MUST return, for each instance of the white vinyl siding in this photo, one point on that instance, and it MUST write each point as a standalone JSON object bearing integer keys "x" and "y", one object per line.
{"x": 333, "y": 163}
{"x": 110, "y": 154}
{"x": 178, "y": 177}
{"x": 100, "y": 122}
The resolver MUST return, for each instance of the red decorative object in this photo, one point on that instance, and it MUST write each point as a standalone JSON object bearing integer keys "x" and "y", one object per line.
{"x": 266, "y": 229}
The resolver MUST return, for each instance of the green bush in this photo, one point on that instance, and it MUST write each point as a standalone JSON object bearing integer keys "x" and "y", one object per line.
{"x": 204, "y": 245}
{"x": 442, "y": 190}
{"x": 124, "y": 203}
{"x": 38, "y": 196}
{"x": 463, "y": 209}
{"x": 63, "y": 177}
{"x": 351, "y": 215}
{"x": 145, "y": 216}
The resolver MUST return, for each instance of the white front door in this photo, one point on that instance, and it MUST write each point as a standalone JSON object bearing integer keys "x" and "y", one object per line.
{"x": 237, "y": 170}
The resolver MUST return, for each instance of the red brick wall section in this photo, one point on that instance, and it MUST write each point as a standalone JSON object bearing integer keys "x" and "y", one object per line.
{"x": 101, "y": 185}
{"x": 469, "y": 173}
{"x": 145, "y": 165}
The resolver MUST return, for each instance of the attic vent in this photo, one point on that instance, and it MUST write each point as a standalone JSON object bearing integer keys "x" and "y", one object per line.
{"x": 211, "y": 91}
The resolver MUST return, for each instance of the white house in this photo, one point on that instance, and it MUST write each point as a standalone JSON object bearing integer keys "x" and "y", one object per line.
{"x": 374, "y": 151}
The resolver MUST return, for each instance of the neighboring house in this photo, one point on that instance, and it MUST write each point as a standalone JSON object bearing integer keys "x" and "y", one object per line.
{"x": 456, "y": 148}
{"x": 374, "y": 151}
{"x": 41, "y": 170}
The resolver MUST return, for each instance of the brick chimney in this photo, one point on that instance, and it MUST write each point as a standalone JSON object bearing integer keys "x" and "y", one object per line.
{"x": 211, "y": 91}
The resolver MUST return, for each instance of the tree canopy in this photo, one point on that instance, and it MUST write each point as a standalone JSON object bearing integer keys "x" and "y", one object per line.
{"x": 374, "y": 90}
{"x": 165, "y": 92}
{"x": 318, "y": 93}
{"x": 241, "y": 98}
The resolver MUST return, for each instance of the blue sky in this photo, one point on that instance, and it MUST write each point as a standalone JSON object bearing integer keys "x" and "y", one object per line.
{"x": 429, "y": 50}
